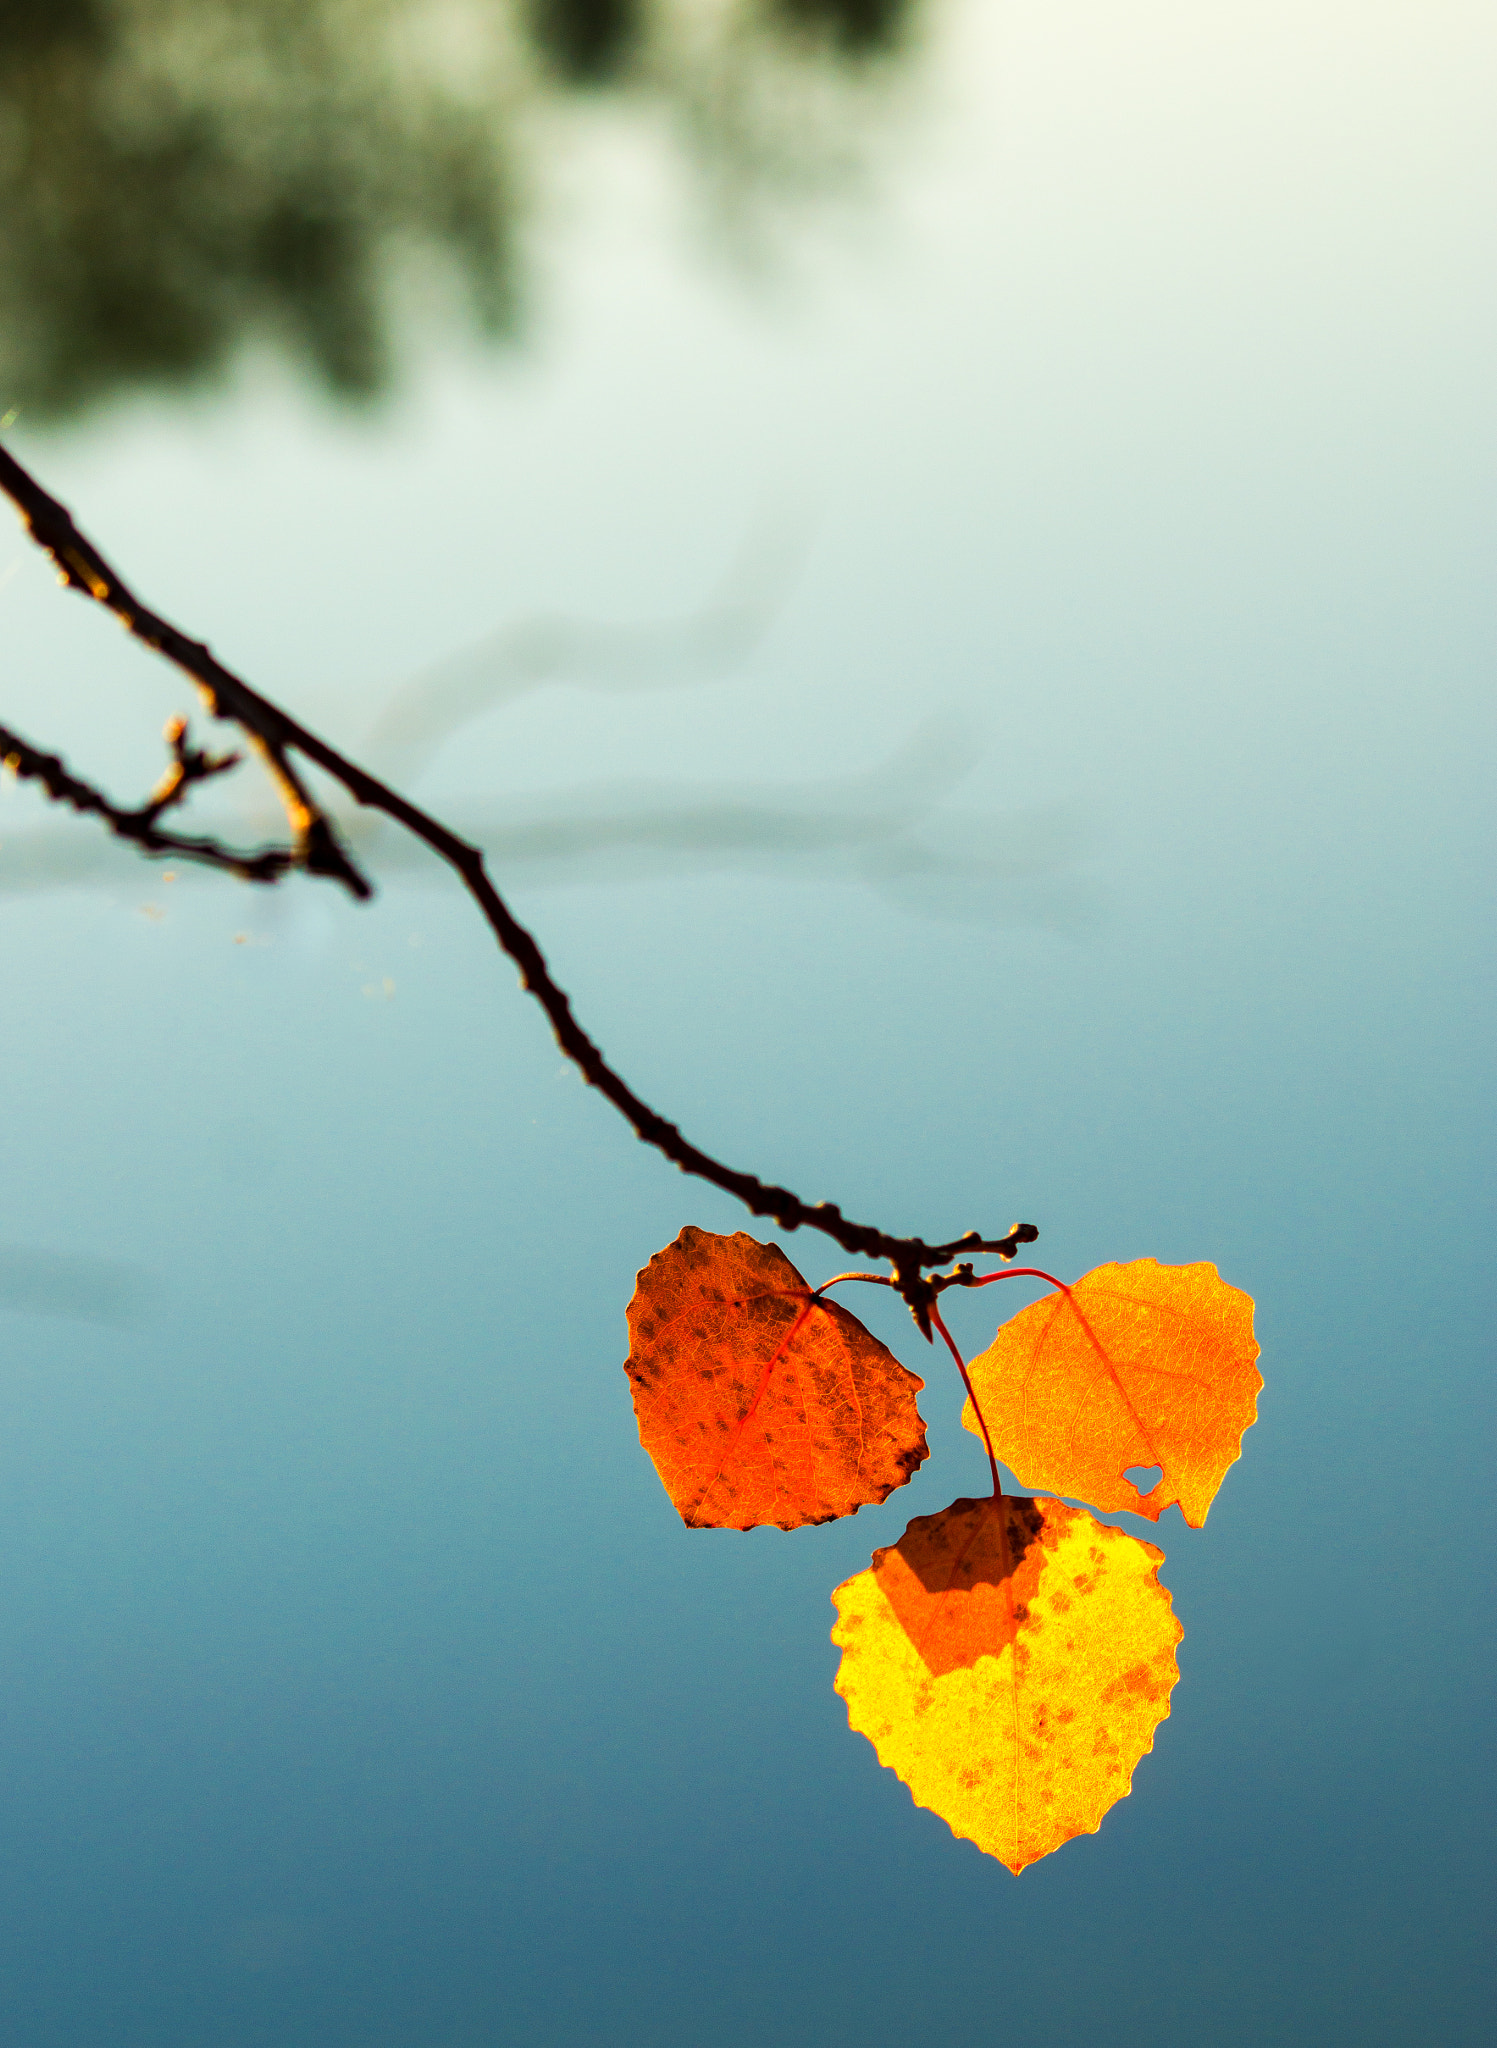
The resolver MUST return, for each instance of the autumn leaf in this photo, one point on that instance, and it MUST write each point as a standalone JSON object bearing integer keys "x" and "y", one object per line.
{"x": 1136, "y": 1365}
{"x": 1010, "y": 1661}
{"x": 758, "y": 1402}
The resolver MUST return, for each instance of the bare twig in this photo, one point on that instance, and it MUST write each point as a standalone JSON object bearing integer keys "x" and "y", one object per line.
{"x": 30, "y": 764}
{"x": 189, "y": 765}
{"x": 315, "y": 847}
{"x": 269, "y": 731}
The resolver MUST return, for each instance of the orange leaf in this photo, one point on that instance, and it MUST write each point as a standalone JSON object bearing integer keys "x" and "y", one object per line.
{"x": 1136, "y": 1365}
{"x": 1010, "y": 1661}
{"x": 757, "y": 1402}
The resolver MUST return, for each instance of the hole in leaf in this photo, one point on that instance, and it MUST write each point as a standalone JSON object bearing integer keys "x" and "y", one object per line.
{"x": 1145, "y": 1477}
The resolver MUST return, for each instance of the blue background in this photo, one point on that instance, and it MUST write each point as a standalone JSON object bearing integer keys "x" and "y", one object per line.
{"x": 1124, "y": 429}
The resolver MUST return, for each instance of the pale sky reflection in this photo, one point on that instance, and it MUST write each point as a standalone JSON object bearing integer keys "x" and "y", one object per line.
{"x": 886, "y": 829}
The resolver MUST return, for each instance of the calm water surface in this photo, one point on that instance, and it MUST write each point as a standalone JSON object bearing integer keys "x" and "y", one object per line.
{"x": 964, "y": 618}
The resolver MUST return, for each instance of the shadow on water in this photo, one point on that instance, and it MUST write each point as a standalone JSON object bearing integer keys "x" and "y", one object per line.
{"x": 70, "y": 1284}
{"x": 887, "y": 828}
{"x": 181, "y": 177}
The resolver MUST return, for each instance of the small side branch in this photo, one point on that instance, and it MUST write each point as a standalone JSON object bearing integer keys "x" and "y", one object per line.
{"x": 189, "y": 765}
{"x": 269, "y": 732}
{"x": 140, "y": 827}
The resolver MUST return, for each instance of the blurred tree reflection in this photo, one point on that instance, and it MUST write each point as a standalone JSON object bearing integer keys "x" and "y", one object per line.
{"x": 855, "y": 25}
{"x": 181, "y": 176}
{"x": 587, "y": 41}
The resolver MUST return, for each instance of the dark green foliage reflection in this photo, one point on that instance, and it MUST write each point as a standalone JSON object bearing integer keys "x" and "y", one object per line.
{"x": 181, "y": 177}
{"x": 853, "y": 25}
{"x": 39, "y": 24}
{"x": 587, "y": 40}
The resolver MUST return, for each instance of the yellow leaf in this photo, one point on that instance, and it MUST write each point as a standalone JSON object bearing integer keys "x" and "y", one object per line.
{"x": 1010, "y": 1661}
{"x": 1136, "y": 1365}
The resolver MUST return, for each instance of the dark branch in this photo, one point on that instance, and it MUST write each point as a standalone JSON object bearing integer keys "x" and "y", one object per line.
{"x": 189, "y": 765}
{"x": 315, "y": 847}
{"x": 269, "y": 731}
{"x": 30, "y": 764}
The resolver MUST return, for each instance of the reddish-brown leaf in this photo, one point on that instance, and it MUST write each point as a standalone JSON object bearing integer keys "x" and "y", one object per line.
{"x": 1136, "y": 1365}
{"x": 758, "y": 1403}
{"x": 1010, "y": 1661}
